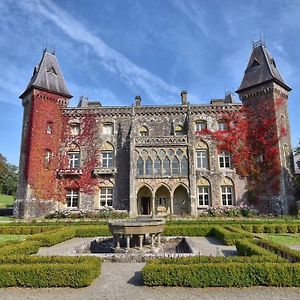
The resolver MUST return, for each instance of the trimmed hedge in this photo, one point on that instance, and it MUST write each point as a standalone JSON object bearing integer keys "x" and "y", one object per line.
{"x": 248, "y": 248}
{"x": 188, "y": 230}
{"x": 279, "y": 249}
{"x": 92, "y": 231}
{"x": 222, "y": 275}
{"x": 49, "y": 275}
{"x": 229, "y": 237}
{"x": 48, "y": 239}
{"x": 216, "y": 259}
{"x": 25, "y": 247}
{"x": 26, "y": 230}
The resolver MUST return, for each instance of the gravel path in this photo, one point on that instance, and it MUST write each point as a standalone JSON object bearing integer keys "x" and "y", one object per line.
{"x": 123, "y": 281}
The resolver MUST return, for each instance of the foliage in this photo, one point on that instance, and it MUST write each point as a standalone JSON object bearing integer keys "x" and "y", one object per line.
{"x": 8, "y": 177}
{"x": 188, "y": 230}
{"x": 248, "y": 248}
{"x": 252, "y": 139}
{"x": 222, "y": 274}
{"x": 25, "y": 247}
{"x": 229, "y": 237}
{"x": 74, "y": 273}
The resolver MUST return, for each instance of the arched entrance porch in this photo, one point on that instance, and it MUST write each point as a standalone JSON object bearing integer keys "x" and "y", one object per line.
{"x": 144, "y": 201}
{"x": 181, "y": 201}
{"x": 162, "y": 201}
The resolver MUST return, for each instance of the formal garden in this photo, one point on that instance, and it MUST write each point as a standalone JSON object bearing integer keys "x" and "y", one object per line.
{"x": 264, "y": 254}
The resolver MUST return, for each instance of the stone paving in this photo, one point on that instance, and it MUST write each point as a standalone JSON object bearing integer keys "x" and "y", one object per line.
{"x": 123, "y": 281}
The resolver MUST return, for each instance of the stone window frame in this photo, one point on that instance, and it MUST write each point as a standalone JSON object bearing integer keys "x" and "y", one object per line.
{"x": 199, "y": 123}
{"x": 202, "y": 193}
{"x": 108, "y": 125}
{"x": 47, "y": 158}
{"x": 202, "y": 146}
{"x": 107, "y": 155}
{"x": 225, "y": 160}
{"x": 74, "y": 159}
{"x": 49, "y": 127}
{"x": 72, "y": 194}
{"x": 106, "y": 196}
{"x": 227, "y": 189}
{"x": 75, "y": 128}
{"x": 222, "y": 125}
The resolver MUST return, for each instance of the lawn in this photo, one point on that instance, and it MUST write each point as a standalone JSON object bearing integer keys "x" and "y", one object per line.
{"x": 283, "y": 238}
{"x": 6, "y": 201}
{"x": 11, "y": 237}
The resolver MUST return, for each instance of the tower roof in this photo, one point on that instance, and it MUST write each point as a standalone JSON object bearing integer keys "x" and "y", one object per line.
{"x": 261, "y": 68}
{"x": 48, "y": 76}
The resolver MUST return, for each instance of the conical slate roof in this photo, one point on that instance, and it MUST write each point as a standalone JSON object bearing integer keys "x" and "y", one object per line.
{"x": 48, "y": 76}
{"x": 261, "y": 68}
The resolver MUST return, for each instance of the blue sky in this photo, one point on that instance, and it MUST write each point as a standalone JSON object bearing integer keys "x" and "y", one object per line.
{"x": 113, "y": 50}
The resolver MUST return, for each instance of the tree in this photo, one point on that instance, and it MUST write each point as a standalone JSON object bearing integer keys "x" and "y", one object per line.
{"x": 8, "y": 177}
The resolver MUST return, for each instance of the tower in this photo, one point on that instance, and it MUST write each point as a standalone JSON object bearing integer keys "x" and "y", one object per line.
{"x": 265, "y": 97}
{"x": 43, "y": 99}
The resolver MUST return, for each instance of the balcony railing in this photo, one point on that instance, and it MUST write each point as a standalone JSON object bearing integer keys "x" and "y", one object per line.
{"x": 69, "y": 172}
{"x": 105, "y": 171}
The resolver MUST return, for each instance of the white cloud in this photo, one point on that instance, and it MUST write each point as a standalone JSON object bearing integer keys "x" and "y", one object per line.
{"x": 113, "y": 61}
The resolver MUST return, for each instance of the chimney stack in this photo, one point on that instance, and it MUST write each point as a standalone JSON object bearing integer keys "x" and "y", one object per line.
{"x": 138, "y": 100}
{"x": 183, "y": 97}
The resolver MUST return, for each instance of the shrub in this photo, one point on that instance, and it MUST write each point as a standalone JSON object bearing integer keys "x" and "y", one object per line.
{"x": 269, "y": 229}
{"x": 292, "y": 228}
{"x": 92, "y": 231}
{"x": 54, "y": 237}
{"x": 282, "y": 228}
{"x": 248, "y": 228}
{"x": 222, "y": 275}
{"x": 248, "y": 248}
{"x": 229, "y": 237}
{"x": 49, "y": 275}
{"x": 188, "y": 230}
{"x": 258, "y": 228}
{"x": 25, "y": 247}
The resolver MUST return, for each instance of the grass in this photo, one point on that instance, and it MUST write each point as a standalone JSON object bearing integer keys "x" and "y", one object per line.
{"x": 6, "y": 201}
{"x": 283, "y": 238}
{"x": 11, "y": 237}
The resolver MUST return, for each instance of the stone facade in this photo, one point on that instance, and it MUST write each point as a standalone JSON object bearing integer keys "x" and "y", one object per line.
{"x": 148, "y": 160}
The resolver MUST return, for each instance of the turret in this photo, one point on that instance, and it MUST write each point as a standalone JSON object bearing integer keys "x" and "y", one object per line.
{"x": 43, "y": 99}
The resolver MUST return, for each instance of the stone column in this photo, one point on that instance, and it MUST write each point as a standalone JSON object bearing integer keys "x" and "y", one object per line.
{"x": 152, "y": 240}
{"x": 127, "y": 241}
{"x": 117, "y": 241}
{"x": 158, "y": 239}
{"x": 153, "y": 204}
{"x": 141, "y": 241}
{"x": 172, "y": 203}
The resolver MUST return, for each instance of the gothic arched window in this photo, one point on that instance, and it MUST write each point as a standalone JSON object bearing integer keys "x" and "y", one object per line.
{"x": 157, "y": 166}
{"x": 140, "y": 167}
{"x": 184, "y": 166}
{"x": 149, "y": 167}
{"x": 175, "y": 166}
{"x": 166, "y": 167}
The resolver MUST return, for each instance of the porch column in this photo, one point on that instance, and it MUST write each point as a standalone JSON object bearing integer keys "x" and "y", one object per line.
{"x": 117, "y": 241}
{"x": 141, "y": 241}
{"x": 171, "y": 203}
{"x": 127, "y": 241}
{"x": 153, "y": 204}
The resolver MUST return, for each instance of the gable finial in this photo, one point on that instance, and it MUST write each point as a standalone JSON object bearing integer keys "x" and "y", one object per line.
{"x": 260, "y": 42}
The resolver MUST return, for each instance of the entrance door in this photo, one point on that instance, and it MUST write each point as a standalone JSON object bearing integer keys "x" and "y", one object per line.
{"x": 145, "y": 205}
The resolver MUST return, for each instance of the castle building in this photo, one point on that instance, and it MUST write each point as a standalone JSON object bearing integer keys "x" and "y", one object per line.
{"x": 149, "y": 159}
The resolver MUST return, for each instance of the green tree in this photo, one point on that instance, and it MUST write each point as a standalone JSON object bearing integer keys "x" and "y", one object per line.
{"x": 8, "y": 177}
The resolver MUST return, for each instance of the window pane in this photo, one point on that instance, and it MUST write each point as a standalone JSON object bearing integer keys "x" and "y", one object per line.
{"x": 166, "y": 167}
{"x": 175, "y": 166}
{"x": 108, "y": 129}
{"x": 140, "y": 167}
{"x": 157, "y": 166}
{"x": 184, "y": 166}
{"x": 149, "y": 167}
{"x": 202, "y": 159}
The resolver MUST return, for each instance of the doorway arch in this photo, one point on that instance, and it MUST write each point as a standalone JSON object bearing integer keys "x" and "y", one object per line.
{"x": 162, "y": 201}
{"x": 144, "y": 201}
{"x": 181, "y": 201}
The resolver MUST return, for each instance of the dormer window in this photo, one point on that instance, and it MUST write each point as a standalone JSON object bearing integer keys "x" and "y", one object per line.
{"x": 179, "y": 130}
{"x": 52, "y": 71}
{"x": 108, "y": 129}
{"x": 75, "y": 129}
{"x": 143, "y": 131}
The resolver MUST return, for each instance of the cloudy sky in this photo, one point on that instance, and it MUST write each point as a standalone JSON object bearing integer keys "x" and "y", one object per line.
{"x": 113, "y": 50}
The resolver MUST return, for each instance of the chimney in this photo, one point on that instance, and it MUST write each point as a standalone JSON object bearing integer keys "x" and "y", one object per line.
{"x": 183, "y": 97}
{"x": 138, "y": 100}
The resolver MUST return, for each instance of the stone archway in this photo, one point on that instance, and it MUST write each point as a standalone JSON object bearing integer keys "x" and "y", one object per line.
{"x": 162, "y": 201}
{"x": 181, "y": 201}
{"x": 144, "y": 201}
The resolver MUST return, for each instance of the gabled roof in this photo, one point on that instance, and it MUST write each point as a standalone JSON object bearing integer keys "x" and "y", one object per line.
{"x": 261, "y": 68}
{"x": 48, "y": 76}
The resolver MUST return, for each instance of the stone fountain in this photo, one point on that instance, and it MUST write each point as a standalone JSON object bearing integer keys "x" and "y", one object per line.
{"x": 136, "y": 232}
